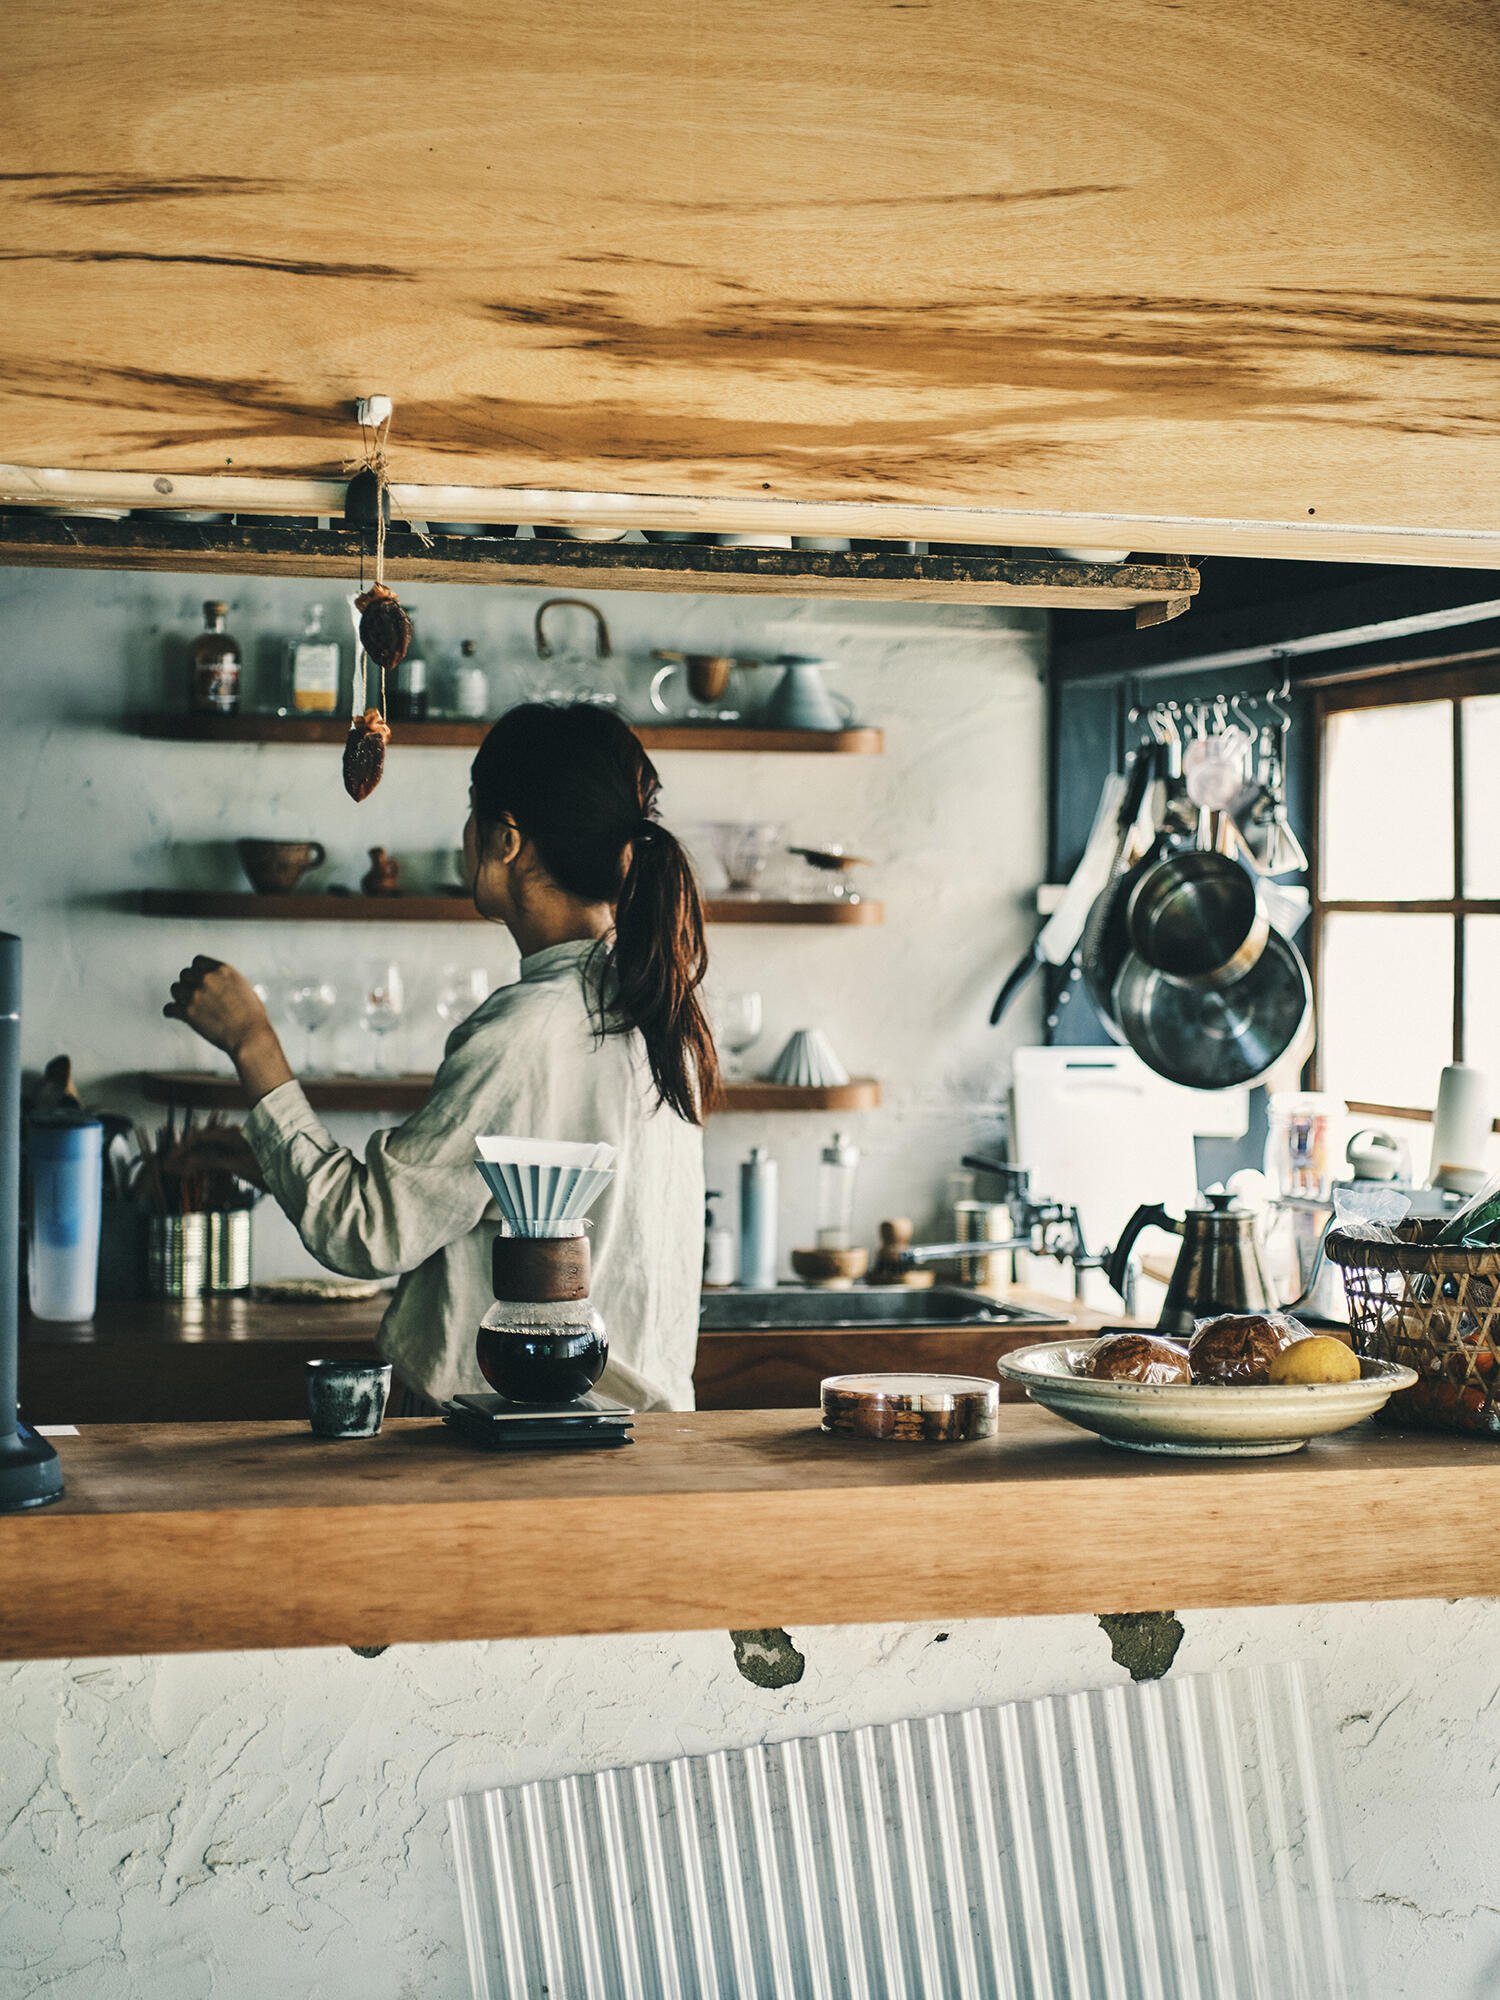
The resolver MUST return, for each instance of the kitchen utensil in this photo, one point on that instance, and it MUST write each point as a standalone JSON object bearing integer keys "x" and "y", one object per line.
{"x": 830, "y": 1270}
{"x": 347, "y": 1399}
{"x": 1373, "y": 1155}
{"x": 1104, "y": 940}
{"x": 1198, "y": 917}
{"x": 1213, "y": 1038}
{"x": 588, "y": 1422}
{"x": 1213, "y": 768}
{"x": 315, "y": 1291}
{"x": 801, "y": 701}
{"x": 744, "y": 848}
{"x": 709, "y": 678}
{"x": 1056, "y": 941}
{"x": 737, "y": 1021}
{"x": 838, "y": 1170}
{"x": 544, "y": 1187}
{"x": 1216, "y": 1421}
{"x": 65, "y": 1156}
{"x": 758, "y": 1219}
{"x": 176, "y": 1256}
{"x": 1461, "y": 1129}
{"x": 312, "y": 1004}
{"x": 275, "y": 867}
{"x": 384, "y": 1004}
{"x": 830, "y": 874}
{"x": 1218, "y": 1270}
{"x": 910, "y": 1409}
{"x": 542, "y": 1341}
{"x": 808, "y": 1058}
{"x": 1433, "y": 1309}
{"x": 228, "y": 1251}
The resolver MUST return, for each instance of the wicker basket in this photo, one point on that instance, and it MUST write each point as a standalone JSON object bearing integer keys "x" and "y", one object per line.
{"x": 1437, "y": 1311}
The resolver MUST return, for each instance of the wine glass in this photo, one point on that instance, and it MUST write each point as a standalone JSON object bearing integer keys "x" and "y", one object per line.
{"x": 744, "y": 848}
{"x": 384, "y": 1005}
{"x": 463, "y": 988}
{"x": 737, "y": 1025}
{"x": 311, "y": 1003}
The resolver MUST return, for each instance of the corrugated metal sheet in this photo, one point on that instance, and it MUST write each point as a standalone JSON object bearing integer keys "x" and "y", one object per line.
{"x": 1173, "y": 1841}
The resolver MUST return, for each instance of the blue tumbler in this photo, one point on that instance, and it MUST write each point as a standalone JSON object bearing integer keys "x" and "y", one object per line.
{"x": 66, "y": 1158}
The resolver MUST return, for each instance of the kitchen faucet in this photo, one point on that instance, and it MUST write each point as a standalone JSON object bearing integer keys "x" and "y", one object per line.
{"x": 1039, "y": 1229}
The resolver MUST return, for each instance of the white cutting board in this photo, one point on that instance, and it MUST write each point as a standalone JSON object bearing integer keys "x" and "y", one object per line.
{"x": 1097, "y": 1128}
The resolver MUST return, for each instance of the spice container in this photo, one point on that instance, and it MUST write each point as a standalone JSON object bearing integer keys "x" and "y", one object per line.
{"x": 471, "y": 685}
{"x": 216, "y": 665}
{"x": 314, "y": 672}
{"x": 176, "y": 1256}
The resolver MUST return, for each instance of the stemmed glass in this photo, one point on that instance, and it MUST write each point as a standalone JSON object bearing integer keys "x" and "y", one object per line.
{"x": 311, "y": 1004}
{"x": 463, "y": 988}
{"x": 737, "y": 1025}
{"x": 384, "y": 1005}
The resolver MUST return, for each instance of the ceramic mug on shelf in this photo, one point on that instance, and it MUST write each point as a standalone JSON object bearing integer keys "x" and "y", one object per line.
{"x": 275, "y": 867}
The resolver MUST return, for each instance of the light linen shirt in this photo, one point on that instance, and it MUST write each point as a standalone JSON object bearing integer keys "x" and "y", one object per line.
{"x": 528, "y": 1062}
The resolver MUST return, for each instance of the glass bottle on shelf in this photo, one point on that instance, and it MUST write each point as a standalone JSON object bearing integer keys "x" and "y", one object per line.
{"x": 410, "y": 701}
{"x": 314, "y": 675}
{"x": 471, "y": 685}
{"x": 216, "y": 665}
{"x": 837, "y": 1170}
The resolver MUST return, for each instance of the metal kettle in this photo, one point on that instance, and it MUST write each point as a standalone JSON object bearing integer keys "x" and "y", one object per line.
{"x": 1218, "y": 1270}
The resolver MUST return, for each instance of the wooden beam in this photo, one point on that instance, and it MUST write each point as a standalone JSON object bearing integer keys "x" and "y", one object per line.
{"x": 51, "y": 542}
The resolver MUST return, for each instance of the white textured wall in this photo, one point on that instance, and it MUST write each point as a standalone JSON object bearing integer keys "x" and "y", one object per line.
{"x": 953, "y": 812}
{"x": 250, "y": 1824}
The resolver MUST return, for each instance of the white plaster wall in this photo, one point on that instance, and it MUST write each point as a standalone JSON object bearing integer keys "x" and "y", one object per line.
{"x": 239, "y": 1825}
{"x": 953, "y": 813}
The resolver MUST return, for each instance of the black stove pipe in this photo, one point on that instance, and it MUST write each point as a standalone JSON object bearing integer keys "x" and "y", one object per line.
{"x": 30, "y": 1475}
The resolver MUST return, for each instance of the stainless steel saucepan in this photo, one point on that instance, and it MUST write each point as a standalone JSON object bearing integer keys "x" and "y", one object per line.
{"x": 1212, "y": 1037}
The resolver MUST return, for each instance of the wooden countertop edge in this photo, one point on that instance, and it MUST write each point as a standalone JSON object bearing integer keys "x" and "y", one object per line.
{"x": 197, "y": 1581}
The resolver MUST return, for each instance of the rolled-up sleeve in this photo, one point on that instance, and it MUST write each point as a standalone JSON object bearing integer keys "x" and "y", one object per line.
{"x": 416, "y": 1189}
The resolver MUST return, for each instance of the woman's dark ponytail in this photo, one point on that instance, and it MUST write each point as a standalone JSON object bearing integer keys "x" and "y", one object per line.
{"x": 579, "y": 786}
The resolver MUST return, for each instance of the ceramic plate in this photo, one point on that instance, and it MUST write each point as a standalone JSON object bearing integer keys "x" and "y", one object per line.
{"x": 1207, "y": 1422}
{"x": 316, "y": 1291}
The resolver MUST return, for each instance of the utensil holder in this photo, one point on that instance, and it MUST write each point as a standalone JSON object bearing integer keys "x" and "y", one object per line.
{"x": 1435, "y": 1310}
{"x": 228, "y": 1250}
{"x": 176, "y": 1256}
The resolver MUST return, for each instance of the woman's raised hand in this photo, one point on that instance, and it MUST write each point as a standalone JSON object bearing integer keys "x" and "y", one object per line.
{"x": 219, "y": 1004}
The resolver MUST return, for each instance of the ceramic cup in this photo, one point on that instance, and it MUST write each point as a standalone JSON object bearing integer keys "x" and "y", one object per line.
{"x": 275, "y": 867}
{"x": 346, "y": 1399}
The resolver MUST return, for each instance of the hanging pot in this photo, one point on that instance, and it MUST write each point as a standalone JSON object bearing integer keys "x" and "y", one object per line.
{"x": 1210, "y": 1037}
{"x": 1199, "y": 916}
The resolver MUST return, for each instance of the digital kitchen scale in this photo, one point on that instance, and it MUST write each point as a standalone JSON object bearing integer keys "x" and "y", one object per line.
{"x": 592, "y": 1423}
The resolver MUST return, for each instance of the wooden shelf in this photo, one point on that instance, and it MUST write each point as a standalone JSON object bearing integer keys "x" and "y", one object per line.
{"x": 245, "y": 907}
{"x": 201, "y": 1090}
{"x": 1160, "y": 590}
{"x": 453, "y": 734}
{"x": 204, "y": 1537}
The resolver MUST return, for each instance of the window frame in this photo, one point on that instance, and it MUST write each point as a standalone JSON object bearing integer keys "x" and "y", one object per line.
{"x": 1390, "y": 689}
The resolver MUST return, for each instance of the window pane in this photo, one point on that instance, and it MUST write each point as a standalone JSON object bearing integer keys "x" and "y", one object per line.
{"x": 1481, "y": 714}
{"x": 1388, "y": 803}
{"x": 1482, "y": 997}
{"x": 1386, "y": 1027}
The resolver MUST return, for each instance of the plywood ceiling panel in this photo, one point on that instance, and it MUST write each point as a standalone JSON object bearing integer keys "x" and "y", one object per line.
{"x": 1098, "y": 255}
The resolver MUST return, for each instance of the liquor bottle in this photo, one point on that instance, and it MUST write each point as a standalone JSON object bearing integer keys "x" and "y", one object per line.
{"x": 216, "y": 665}
{"x": 314, "y": 668}
{"x": 410, "y": 701}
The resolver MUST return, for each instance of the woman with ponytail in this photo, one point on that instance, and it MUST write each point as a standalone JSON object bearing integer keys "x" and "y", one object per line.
{"x": 602, "y": 1037}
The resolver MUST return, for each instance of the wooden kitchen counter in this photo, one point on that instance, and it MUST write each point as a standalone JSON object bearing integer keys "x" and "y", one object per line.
{"x": 188, "y": 1538}
{"x": 171, "y": 1361}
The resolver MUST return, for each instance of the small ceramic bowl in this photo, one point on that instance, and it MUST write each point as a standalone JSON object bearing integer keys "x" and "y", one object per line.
{"x": 830, "y": 1270}
{"x": 347, "y": 1399}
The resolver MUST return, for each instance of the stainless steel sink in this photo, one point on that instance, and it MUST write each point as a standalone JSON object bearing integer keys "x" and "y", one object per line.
{"x": 791, "y": 1306}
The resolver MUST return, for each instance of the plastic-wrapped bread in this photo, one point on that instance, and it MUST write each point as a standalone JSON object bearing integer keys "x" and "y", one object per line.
{"x": 1136, "y": 1357}
{"x": 1238, "y": 1348}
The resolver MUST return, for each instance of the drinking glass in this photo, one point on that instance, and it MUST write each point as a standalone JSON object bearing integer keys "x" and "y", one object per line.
{"x": 384, "y": 1005}
{"x": 311, "y": 1003}
{"x": 737, "y": 1025}
{"x": 462, "y": 990}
